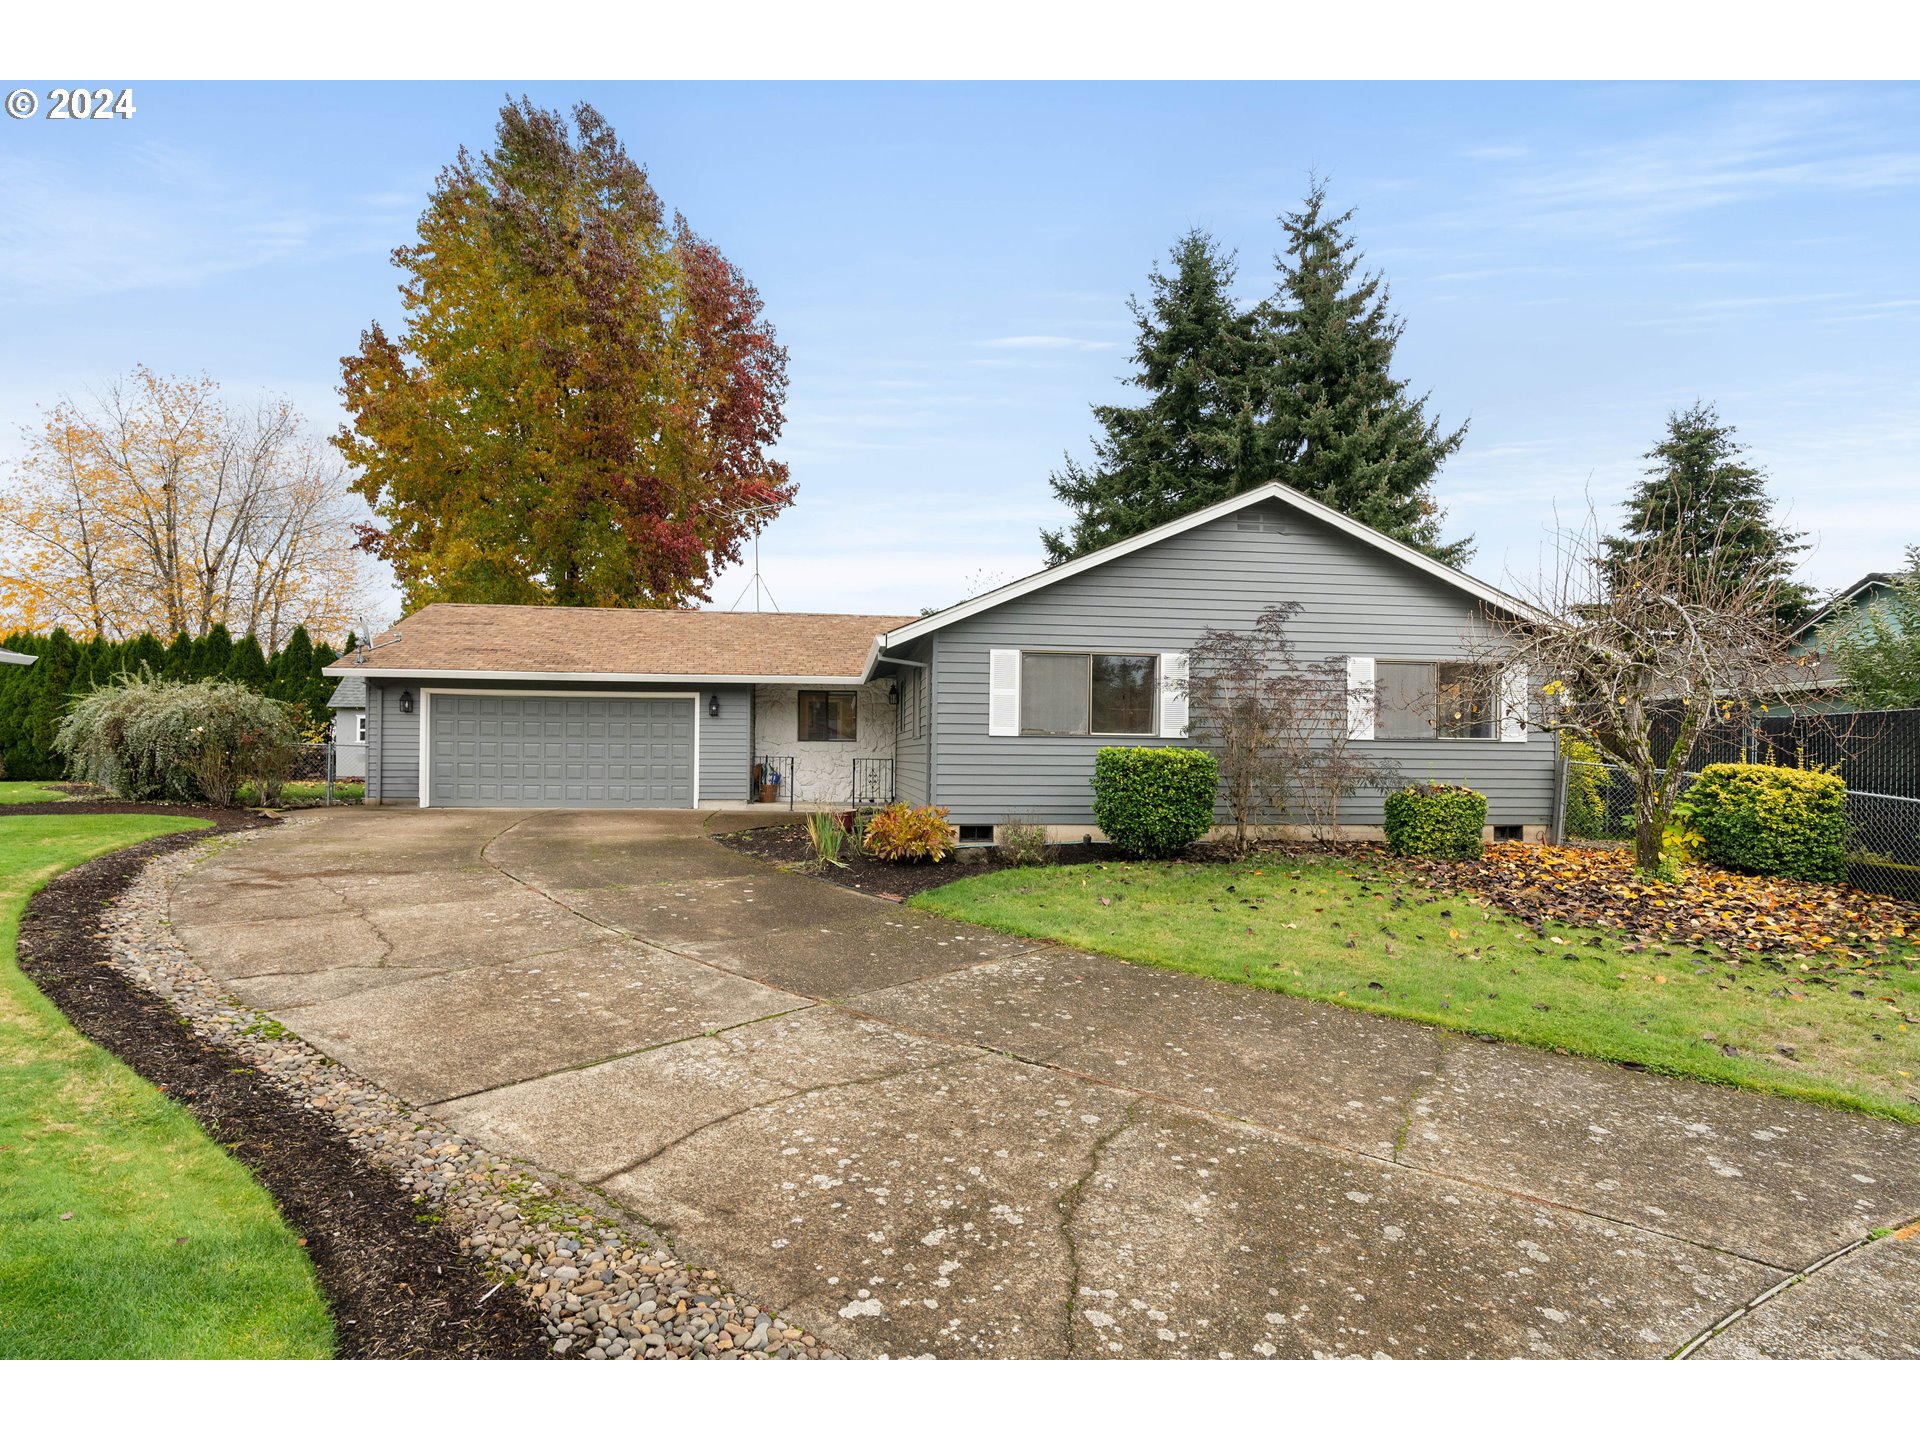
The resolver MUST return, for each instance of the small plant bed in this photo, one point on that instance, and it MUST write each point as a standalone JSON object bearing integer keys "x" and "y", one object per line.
{"x": 789, "y": 847}
{"x": 1397, "y": 937}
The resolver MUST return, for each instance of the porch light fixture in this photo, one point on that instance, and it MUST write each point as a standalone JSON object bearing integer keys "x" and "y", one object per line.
{"x": 406, "y": 702}
{"x": 713, "y": 706}
{"x": 893, "y": 692}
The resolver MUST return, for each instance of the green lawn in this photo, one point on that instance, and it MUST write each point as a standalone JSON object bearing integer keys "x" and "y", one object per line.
{"x": 307, "y": 792}
{"x": 27, "y": 792}
{"x": 124, "y": 1231}
{"x": 1363, "y": 938}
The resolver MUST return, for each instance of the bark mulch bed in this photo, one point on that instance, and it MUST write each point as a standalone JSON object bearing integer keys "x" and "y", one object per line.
{"x": 787, "y": 846}
{"x": 397, "y": 1289}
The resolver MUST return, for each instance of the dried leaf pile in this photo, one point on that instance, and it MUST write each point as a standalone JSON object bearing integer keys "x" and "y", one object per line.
{"x": 1824, "y": 927}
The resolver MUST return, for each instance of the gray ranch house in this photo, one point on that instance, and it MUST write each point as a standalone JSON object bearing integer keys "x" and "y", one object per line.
{"x": 993, "y": 708}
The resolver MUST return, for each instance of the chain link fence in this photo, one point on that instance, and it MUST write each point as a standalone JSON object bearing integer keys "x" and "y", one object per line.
{"x": 1883, "y": 831}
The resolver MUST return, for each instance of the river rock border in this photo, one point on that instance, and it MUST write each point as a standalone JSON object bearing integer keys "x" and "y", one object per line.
{"x": 606, "y": 1287}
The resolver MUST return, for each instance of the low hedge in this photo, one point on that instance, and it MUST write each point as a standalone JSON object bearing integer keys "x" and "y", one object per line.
{"x": 1439, "y": 820}
{"x": 1773, "y": 820}
{"x": 1154, "y": 800}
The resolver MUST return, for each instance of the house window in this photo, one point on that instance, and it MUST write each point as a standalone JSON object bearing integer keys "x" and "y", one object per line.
{"x": 360, "y": 728}
{"x": 1086, "y": 694}
{"x": 829, "y": 715}
{"x": 1433, "y": 700}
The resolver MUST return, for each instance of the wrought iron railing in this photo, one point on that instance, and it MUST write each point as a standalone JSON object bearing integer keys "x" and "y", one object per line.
{"x": 872, "y": 782}
{"x": 773, "y": 780}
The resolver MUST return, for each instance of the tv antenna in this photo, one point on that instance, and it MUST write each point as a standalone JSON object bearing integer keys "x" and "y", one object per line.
{"x": 757, "y": 586}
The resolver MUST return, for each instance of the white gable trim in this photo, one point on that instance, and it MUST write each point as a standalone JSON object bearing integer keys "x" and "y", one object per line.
{"x": 1273, "y": 490}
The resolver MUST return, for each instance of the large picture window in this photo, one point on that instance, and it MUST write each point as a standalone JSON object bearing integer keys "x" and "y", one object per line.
{"x": 829, "y": 715}
{"x": 1433, "y": 700}
{"x": 1087, "y": 694}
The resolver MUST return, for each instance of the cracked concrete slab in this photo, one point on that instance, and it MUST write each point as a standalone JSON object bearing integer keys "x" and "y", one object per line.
{"x": 468, "y": 1030}
{"x": 920, "y": 1214}
{"x": 1313, "y": 1069}
{"x": 1864, "y": 1306}
{"x": 863, "y": 1163}
{"x": 870, "y": 945}
{"x": 1202, "y": 1238}
{"x": 1781, "y": 1182}
{"x": 603, "y": 1119}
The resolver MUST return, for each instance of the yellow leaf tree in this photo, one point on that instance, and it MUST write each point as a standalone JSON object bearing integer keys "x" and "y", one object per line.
{"x": 160, "y": 506}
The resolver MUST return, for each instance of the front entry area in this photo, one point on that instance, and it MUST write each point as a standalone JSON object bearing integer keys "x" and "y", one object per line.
{"x": 550, "y": 751}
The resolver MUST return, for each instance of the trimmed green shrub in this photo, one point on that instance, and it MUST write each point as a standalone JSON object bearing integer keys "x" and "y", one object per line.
{"x": 1154, "y": 800}
{"x": 148, "y": 739}
{"x": 1439, "y": 820}
{"x": 1773, "y": 820}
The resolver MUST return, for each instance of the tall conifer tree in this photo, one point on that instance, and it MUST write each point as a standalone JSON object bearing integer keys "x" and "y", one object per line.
{"x": 1699, "y": 486}
{"x": 1341, "y": 428}
{"x": 1182, "y": 448}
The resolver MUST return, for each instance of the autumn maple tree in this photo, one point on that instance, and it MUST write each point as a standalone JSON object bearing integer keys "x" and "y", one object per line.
{"x": 159, "y": 504}
{"x": 579, "y": 407}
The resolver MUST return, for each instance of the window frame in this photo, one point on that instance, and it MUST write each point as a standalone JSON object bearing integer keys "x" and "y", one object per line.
{"x": 359, "y": 727}
{"x": 1154, "y": 683}
{"x": 800, "y": 718}
{"x": 1491, "y": 699}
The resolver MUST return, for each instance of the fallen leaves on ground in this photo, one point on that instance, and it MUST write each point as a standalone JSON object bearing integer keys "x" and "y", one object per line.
{"x": 1827, "y": 927}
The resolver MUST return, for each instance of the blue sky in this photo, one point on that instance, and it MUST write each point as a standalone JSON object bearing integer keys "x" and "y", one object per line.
{"x": 949, "y": 267}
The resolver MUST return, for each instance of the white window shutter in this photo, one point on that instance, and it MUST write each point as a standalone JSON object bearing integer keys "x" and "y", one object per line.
{"x": 1003, "y": 692}
{"x": 1360, "y": 701}
{"x": 1173, "y": 694}
{"x": 1513, "y": 703}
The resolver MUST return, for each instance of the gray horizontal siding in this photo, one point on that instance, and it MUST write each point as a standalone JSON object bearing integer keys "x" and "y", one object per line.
{"x": 393, "y": 739}
{"x": 913, "y": 739}
{"x": 1355, "y": 599}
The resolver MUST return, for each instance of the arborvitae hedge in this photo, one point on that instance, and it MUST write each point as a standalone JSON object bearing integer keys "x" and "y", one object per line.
{"x": 34, "y": 697}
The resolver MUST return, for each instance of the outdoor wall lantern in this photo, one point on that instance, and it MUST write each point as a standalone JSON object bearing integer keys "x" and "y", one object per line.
{"x": 893, "y": 692}
{"x": 406, "y": 702}
{"x": 713, "y": 706}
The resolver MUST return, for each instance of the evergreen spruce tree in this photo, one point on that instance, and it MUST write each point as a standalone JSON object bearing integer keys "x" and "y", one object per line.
{"x": 1184, "y": 447}
{"x": 1700, "y": 487}
{"x": 1340, "y": 427}
{"x": 248, "y": 663}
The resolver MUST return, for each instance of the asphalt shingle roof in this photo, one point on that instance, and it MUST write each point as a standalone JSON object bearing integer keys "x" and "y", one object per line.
{"x": 557, "y": 640}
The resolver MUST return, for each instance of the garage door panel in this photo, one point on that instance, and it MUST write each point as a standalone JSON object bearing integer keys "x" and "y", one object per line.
{"x": 610, "y": 752}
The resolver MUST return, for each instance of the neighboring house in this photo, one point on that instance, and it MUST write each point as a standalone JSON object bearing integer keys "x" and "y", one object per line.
{"x": 1816, "y": 685}
{"x": 349, "y": 705}
{"x": 993, "y": 708}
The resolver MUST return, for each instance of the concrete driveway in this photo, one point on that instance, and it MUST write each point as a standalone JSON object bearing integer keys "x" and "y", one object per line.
{"x": 921, "y": 1138}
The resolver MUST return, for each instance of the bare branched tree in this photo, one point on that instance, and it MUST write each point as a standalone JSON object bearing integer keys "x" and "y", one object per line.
{"x": 1637, "y": 652}
{"x": 1278, "y": 727}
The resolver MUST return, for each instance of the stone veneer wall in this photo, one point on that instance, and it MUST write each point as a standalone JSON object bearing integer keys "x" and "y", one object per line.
{"x": 823, "y": 769}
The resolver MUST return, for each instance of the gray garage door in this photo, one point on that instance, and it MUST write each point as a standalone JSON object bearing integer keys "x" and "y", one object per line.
{"x": 561, "y": 751}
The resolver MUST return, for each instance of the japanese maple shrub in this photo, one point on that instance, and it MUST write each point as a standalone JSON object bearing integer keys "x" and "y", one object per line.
{"x": 1154, "y": 800}
{"x": 904, "y": 832}
{"x": 1439, "y": 820}
{"x": 1773, "y": 820}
